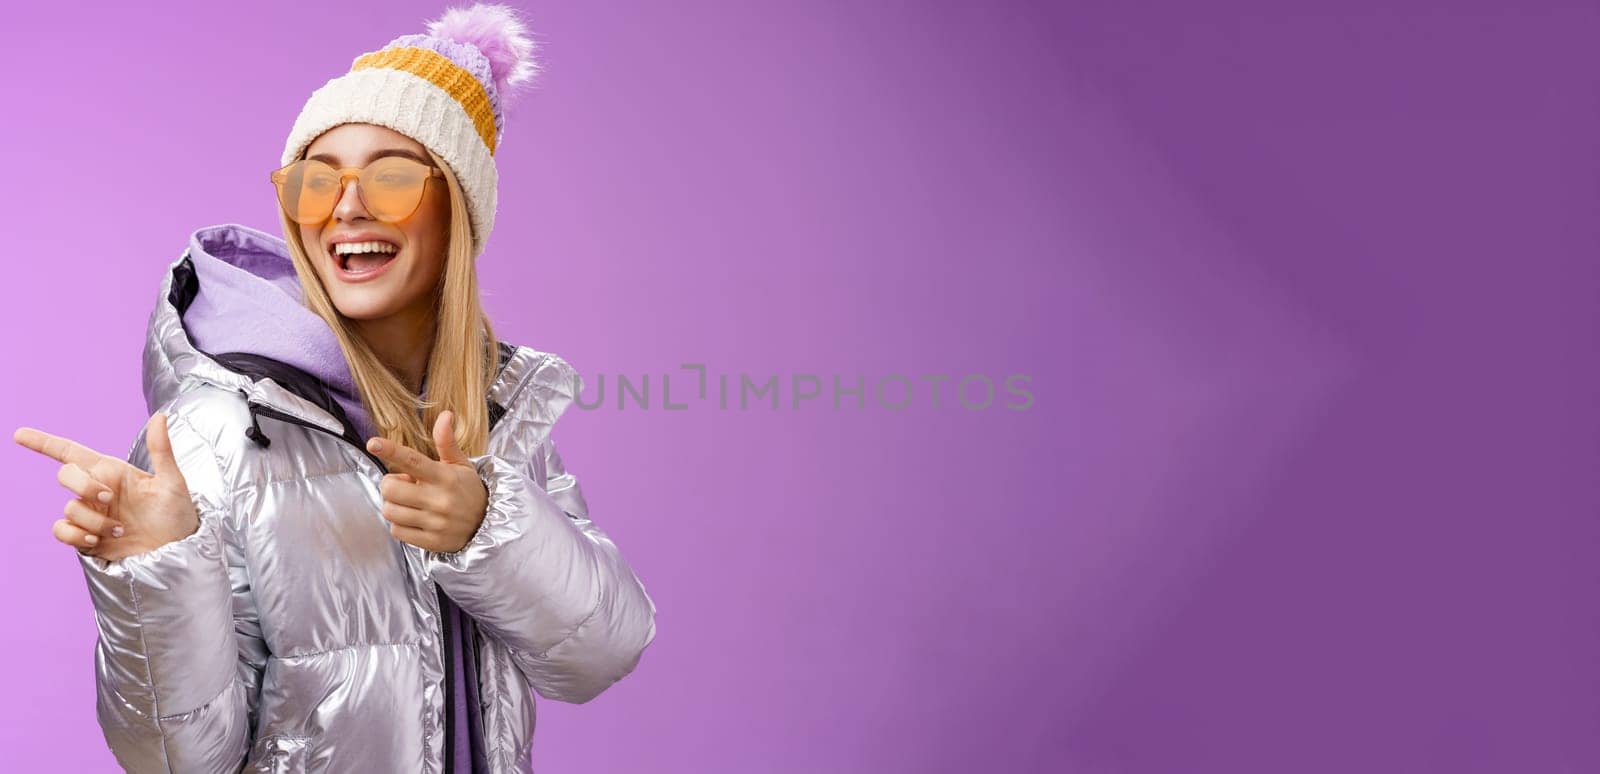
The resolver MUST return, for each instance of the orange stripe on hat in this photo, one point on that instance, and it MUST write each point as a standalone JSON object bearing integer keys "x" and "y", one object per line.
{"x": 437, "y": 69}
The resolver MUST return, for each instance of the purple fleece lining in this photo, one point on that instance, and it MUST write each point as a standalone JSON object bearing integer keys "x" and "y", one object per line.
{"x": 250, "y": 301}
{"x": 468, "y": 749}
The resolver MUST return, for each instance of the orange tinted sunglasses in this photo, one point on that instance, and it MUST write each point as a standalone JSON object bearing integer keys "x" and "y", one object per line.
{"x": 390, "y": 188}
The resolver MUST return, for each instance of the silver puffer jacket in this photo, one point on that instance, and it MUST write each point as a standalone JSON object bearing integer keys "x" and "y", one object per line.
{"x": 293, "y": 633}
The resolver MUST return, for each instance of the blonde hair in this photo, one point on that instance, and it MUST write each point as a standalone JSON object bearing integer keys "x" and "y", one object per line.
{"x": 460, "y": 368}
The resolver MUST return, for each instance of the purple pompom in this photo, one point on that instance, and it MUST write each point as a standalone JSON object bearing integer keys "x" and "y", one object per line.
{"x": 494, "y": 29}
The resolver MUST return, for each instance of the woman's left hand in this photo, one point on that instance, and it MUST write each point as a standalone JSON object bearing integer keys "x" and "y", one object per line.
{"x": 432, "y": 504}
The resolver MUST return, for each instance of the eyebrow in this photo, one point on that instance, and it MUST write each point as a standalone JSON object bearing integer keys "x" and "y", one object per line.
{"x": 378, "y": 154}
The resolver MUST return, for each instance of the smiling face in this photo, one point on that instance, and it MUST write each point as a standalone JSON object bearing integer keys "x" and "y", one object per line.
{"x": 377, "y": 285}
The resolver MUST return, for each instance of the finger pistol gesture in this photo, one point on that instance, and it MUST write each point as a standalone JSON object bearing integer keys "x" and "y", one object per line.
{"x": 118, "y": 510}
{"x": 435, "y": 505}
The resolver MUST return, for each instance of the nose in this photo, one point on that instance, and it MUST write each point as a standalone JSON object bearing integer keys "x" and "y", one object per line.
{"x": 350, "y": 207}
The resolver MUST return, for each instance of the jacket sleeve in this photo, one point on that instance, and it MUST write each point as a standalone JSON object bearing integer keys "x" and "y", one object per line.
{"x": 540, "y": 577}
{"x": 176, "y": 671}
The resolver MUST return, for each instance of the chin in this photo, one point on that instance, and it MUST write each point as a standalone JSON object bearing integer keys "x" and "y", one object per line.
{"x": 365, "y": 308}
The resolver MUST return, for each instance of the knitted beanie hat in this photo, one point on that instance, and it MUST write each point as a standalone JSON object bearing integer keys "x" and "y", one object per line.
{"x": 447, "y": 89}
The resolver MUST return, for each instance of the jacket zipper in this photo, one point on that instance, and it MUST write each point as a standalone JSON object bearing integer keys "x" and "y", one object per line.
{"x": 255, "y": 434}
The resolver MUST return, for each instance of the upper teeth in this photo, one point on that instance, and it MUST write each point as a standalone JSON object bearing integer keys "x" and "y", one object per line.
{"x": 346, "y": 248}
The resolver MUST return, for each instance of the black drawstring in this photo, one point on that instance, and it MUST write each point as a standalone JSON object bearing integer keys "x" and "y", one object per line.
{"x": 253, "y": 432}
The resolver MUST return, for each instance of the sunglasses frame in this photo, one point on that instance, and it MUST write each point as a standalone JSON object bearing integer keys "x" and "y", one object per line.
{"x": 280, "y": 175}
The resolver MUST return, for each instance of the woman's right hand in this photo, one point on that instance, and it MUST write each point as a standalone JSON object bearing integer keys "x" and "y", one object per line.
{"x": 150, "y": 510}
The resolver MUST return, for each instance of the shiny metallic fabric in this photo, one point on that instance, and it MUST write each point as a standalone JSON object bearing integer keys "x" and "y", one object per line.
{"x": 293, "y": 633}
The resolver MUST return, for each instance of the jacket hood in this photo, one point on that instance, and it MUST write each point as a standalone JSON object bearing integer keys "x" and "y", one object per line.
{"x": 229, "y": 314}
{"x": 248, "y": 306}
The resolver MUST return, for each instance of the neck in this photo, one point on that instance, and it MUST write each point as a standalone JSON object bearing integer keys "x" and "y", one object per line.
{"x": 403, "y": 341}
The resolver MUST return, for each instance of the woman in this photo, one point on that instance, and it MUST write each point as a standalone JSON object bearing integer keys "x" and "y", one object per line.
{"x": 356, "y": 547}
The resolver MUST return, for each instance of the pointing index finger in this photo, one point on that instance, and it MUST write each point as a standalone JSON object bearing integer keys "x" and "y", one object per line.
{"x": 56, "y": 447}
{"x": 401, "y": 459}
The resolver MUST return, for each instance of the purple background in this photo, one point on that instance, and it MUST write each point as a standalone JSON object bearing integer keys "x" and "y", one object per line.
{"x": 1308, "y": 295}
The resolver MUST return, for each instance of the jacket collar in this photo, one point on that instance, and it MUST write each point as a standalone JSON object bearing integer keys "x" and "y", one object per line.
{"x": 534, "y": 386}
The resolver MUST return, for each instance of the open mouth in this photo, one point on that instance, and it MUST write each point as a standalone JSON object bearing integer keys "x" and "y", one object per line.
{"x": 360, "y": 258}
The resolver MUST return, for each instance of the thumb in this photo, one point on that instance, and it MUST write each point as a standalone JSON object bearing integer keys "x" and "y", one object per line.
{"x": 162, "y": 462}
{"x": 444, "y": 439}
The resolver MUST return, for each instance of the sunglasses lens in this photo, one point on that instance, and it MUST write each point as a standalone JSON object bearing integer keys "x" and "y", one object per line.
{"x": 392, "y": 187}
{"x": 307, "y": 190}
